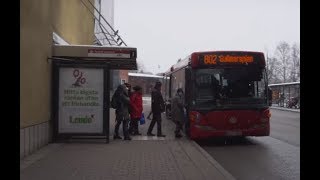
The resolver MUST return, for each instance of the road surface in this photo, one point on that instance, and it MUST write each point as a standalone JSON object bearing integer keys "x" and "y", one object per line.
{"x": 273, "y": 157}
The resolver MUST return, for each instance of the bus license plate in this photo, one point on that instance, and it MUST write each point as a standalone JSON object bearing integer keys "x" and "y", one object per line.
{"x": 233, "y": 133}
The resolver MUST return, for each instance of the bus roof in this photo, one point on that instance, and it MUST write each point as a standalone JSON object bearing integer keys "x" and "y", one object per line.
{"x": 180, "y": 64}
{"x": 144, "y": 75}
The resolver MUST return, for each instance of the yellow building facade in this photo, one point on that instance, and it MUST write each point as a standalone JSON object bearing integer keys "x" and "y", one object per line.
{"x": 74, "y": 23}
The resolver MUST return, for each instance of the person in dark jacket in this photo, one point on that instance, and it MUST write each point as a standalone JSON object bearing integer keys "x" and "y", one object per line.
{"x": 157, "y": 107}
{"x": 129, "y": 88}
{"x": 136, "y": 110}
{"x": 178, "y": 110}
{"x": 122, "y": 112}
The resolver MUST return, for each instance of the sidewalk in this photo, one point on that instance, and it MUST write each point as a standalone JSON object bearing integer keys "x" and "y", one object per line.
{"x": 143, "y": 158}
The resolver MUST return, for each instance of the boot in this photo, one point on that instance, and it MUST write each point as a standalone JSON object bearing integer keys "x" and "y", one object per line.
{"x": 117, "y": 137}
{"x": 150, "y": 134}
{"x": 127, "y": 138}
{"x": 161, "y": 135}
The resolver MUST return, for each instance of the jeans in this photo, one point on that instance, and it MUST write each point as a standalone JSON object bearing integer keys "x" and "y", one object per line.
{"x": 124, "y": 127}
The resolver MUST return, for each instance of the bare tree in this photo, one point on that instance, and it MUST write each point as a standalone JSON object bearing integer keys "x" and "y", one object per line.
{"x": 273, "y": 70}
{"x": 283, "y": 55}
{"x": 295, "y": 64}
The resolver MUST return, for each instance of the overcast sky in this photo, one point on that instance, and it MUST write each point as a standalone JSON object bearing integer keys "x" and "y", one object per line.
{"x": 165, "y": 30}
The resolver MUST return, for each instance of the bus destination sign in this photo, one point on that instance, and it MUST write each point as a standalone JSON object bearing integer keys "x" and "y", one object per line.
{"x": 213, "y": 59}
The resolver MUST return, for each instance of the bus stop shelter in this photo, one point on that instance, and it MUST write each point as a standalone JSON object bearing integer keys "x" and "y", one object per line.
{"x": 283, "y": 92}
{"x": 80, "y": 88}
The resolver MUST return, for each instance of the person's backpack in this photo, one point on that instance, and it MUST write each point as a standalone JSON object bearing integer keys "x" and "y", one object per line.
{"x": 114, "y": 101}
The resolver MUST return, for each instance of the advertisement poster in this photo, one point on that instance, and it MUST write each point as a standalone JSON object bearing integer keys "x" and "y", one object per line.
{"x": 80, "y": 100}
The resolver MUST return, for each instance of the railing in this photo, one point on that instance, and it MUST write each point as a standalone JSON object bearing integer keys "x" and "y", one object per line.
{"x": 107, "y": 35}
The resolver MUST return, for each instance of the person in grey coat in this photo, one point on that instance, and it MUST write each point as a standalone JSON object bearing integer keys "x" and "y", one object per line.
{"x": 122, "y": 112}
{"x": 177, "y": 110}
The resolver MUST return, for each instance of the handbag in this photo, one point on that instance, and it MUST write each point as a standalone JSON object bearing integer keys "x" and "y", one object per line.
{"x": 142, "y": 120}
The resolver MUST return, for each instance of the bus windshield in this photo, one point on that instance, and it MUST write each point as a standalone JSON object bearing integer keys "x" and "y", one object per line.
{"x": 230, "y": 87}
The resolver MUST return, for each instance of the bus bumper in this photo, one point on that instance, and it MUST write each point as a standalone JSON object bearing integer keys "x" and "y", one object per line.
{"x": 198, "y": 132}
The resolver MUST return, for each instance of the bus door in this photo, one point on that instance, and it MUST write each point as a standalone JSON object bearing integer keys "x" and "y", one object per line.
{"x": 188, "y": 97}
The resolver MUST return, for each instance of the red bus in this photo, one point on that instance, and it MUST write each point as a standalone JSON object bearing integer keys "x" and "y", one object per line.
{"x": 226, "y": 93}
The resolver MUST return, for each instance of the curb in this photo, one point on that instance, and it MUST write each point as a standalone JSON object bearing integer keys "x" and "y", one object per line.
{"x": 213, "y": 161}
{"x": 285, "y": 109}
{"x": 210, "y": 158}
